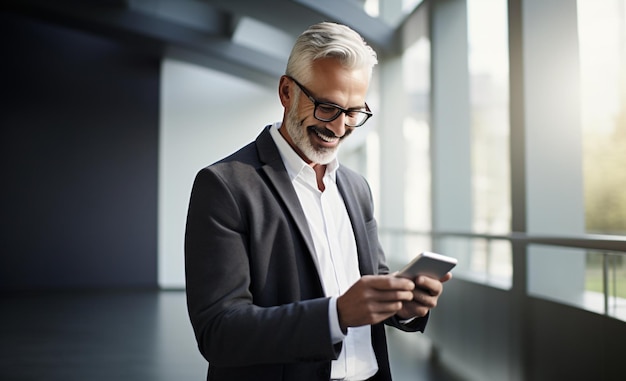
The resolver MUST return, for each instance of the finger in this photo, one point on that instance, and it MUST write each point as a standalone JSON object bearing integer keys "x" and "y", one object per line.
{"x": 393, "y": 296}
{"x": 390, "y": 282}
{"x": 390, "y": 307}
{"x": 413, "y": 309}
{"x": 430, "y": 285}
{"x": 384, "y": 295}
{"x": 425, "y": 299}
{"x": 375, "y": 312}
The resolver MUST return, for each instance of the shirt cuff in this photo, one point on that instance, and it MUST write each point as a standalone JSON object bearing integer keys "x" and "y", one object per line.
{"x": 336, "y": 334}
{"x": 406, "y": 321}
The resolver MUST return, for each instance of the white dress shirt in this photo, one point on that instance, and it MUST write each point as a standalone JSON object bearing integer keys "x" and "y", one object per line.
{"x": 335, "y": 256}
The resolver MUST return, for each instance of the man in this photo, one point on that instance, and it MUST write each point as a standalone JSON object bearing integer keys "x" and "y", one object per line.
{"x": 286, "y": 279}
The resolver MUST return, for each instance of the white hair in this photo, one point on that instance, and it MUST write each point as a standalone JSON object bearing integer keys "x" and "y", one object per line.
{"x": 326, "y": 40}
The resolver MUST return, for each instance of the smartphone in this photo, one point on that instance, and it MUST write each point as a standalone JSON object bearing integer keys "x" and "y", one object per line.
{"x": 430, "y": 264}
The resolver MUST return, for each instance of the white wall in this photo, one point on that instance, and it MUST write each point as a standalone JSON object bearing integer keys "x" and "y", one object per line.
{"x": 205, "y": 115}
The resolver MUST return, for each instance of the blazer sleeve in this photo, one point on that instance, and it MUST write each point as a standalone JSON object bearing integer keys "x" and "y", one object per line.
{"x": 229, "y": 328}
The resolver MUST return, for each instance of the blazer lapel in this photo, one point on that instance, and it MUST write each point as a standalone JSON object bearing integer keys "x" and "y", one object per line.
{"x": 275, "y": 170}
{"x": 352, "y": 199}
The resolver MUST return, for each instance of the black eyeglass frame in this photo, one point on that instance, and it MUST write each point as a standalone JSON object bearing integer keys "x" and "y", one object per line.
{"x": 367, "y": 112}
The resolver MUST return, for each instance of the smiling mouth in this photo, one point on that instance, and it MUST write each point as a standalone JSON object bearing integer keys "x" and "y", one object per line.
{"x": 324, "y": 134}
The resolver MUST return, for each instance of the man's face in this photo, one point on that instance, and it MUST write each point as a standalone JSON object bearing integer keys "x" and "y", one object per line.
{"x": 314, "y": 140}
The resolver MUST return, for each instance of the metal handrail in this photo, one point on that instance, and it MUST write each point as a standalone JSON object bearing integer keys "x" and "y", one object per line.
{"x": 613, "y": 243}
{"x": 584, "y": 241}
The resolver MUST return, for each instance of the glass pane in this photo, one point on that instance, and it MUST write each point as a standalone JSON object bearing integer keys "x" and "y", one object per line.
{"x": 557, "y": 274}
{"x": 605, "y": 283}
{"x": 487, "y": 261}
{"x": 415, "y": 73}
{"x": 602, "y": 36}
{"x": 416, "y": 129}
{"x": 489, "y": 102}
{"x": 593, "y": 280}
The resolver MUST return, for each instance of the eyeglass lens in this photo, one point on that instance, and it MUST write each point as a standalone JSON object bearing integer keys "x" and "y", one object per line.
{"x": 328, "y": 113}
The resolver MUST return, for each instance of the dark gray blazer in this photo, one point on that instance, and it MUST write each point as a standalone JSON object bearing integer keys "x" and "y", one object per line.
{"x": 254, "y": 295}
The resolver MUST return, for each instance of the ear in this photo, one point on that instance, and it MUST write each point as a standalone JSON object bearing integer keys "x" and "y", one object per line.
{"x": 284, "y": 91}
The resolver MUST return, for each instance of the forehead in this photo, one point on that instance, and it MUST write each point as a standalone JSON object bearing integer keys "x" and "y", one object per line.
{"x": 332, "y": 82}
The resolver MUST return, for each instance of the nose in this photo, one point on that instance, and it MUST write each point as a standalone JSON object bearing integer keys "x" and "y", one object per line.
{"x": 338, "y": 126}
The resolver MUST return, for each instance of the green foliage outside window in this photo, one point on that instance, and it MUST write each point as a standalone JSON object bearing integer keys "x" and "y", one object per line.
{"x": 605, "y": 179}
{"x": 605, "y": 198}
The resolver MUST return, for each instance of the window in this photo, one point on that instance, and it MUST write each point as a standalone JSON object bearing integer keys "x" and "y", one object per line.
{"x": 602, "y": 39}
{"x": 489, "y": 103}
{"x": 489, "y": 110}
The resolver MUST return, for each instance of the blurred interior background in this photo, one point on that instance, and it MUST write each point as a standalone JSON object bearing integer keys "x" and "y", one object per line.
{"x": 498, "y": 137}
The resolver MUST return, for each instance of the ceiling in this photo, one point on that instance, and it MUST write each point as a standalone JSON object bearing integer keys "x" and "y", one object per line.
{"x": 247, "y": 38}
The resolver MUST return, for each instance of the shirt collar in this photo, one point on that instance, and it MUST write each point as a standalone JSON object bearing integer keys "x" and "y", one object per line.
{"x": 293, "y": 161}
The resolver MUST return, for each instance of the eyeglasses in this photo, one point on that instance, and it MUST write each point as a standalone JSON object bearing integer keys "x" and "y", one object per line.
{"x": 327, "y": 112}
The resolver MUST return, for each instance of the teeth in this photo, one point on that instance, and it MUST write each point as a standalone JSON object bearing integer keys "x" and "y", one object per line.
{"x": 325, "y": 138}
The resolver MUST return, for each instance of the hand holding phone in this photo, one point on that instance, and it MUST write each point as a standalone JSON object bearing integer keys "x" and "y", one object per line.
{"x": 430, "y": 264}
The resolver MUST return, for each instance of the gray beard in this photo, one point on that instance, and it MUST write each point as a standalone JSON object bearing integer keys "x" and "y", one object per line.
{"x": 301, "y": 139}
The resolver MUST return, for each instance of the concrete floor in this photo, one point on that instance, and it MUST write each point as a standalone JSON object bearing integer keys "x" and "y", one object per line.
{"x": 132, "y": 336}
